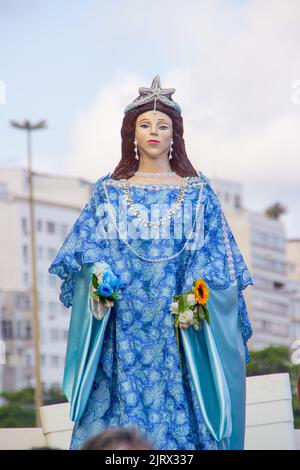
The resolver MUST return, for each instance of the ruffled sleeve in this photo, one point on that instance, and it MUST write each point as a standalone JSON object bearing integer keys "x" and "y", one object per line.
{"x": 79, "y": 247}
{"x": 218, "y": 270}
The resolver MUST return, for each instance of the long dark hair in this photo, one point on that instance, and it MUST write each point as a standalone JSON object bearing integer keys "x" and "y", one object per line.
{"x": 128, "y": 163}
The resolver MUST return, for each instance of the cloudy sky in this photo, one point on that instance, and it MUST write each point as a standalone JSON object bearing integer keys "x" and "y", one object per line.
{"x": 235, "y": 65}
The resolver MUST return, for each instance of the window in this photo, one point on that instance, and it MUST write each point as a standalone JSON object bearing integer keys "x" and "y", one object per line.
{"x": 39, "y": 225}
{"x": 43, "y": 334}
{"x": 29, "y": 381}
{"x": 237, "y": 201}
{"x": 51, "y": 253}
{"x": 50, "y": 227}
{"x": 25, "y": 279}
{"x": 25, "y": 253}
{"x": 278, "y": 285}
{"x": 269, "y": 263}
{"x": 41, "y": 304}
{"x": 55, "y": 385}
{"x": 22, "y": 302}
{"x": 28, "y": 330}
{"x": 7, "y": 329}
{"x": 40, "y": 252}
{"x": 266, "y": 239}
{"x": 40, "y": 279}
{"x": 24, "y": 224}
{"x": 52, "y": 281}
{"x": 52, "y": 307}
{"x": 27, "y": 360}
{"x": 3, "y": 189}
{"x": 18, "y": 327}
{"x": 64, "y": 230}
{"x": 54, "y": 361}
{"x": 54, "y": 334}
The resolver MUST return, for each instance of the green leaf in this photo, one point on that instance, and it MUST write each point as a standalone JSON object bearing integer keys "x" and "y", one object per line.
{"x": 201, "y": 312}
{"x": 181, "y": 305}
{"x": 206, "y": 313}
{"x": 95, "y": 281}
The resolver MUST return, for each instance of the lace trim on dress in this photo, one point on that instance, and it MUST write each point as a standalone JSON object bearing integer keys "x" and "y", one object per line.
{"x": 194, "y": 180}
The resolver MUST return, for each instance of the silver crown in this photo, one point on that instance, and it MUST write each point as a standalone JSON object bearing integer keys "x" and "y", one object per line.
{"x": 153, "y": 94}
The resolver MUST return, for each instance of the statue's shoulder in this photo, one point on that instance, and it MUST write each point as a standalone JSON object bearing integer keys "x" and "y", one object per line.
{"x": 210, "y": 192}
{"x": 204, "y": 178}
{"x": 97, "y": 186}
{"x": 102, "y": 178}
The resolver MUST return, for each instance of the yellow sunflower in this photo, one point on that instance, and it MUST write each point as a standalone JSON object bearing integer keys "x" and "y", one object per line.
{"x": 201, "y": 291}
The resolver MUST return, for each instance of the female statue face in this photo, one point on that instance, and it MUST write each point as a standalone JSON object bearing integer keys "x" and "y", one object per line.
{"x": 157, "y": 126}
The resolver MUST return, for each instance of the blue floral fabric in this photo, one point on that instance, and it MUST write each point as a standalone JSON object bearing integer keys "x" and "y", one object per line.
{"x": 139, "y": 380}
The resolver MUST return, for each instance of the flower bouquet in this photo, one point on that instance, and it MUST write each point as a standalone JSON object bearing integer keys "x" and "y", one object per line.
{"x": 189, "y": 308}
{"x": 104, "y": 290}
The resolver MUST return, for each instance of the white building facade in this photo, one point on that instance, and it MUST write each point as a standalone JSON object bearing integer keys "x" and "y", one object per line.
{"x": 58, "y": 202}
{"x": 263, "y": 244}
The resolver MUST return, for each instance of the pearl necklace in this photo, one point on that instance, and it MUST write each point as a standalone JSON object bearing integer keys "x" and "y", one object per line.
{"x": 155, "y": 175}
{"x": 159, "y": 260}
{"x": 164, "y": 219}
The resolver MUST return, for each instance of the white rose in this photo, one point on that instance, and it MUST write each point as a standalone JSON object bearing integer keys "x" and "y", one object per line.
{"x": 98, "y": 268}
{"x": 174, "y": 307}
{"x": 99, "y": 310}
{"x": 186, "y": 316}
{"x": 191, "y": 299}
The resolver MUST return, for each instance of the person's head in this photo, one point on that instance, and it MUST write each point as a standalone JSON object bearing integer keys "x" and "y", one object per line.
{"x": 118, "y": 438}
{"x": 142, "y": 124}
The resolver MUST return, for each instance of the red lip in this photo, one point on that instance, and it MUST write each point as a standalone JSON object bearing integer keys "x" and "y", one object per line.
{"x": 153, "y": 141}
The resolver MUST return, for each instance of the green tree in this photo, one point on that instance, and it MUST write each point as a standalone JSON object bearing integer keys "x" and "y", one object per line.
{"x": 275, "y": 211}
{"x": 18, "y": 409}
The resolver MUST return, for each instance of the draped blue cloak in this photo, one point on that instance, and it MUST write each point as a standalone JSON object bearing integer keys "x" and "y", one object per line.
{"x": 124, "y": 369}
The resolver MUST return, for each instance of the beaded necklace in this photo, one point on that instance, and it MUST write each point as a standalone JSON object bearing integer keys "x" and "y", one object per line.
{"x": 167, "y": 216}
{"x": 151, "y": 260}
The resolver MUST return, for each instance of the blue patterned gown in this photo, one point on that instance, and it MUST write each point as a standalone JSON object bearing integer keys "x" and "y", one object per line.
{"x": 139, "y": 381}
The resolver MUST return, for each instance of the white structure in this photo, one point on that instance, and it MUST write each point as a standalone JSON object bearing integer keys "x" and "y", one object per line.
{"x": 271, "y": 300}
{"x": 262, "y": 242}
{"x": 230, "y": 193}
{"x": 293, "y": 251}
{"x": 58, "y": 202}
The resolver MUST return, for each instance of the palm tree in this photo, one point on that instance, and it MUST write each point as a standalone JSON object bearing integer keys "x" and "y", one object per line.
{"x": 275, "y": 211}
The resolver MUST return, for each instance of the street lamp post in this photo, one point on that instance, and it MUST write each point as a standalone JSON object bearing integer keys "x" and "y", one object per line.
{"x": 28, "y": 127}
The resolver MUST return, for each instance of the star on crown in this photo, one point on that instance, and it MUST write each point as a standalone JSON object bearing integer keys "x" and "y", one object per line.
{"x": 156, "y": 92}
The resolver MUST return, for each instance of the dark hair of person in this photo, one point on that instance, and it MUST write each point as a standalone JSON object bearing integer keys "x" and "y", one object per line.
{"x": 129, "y": 164}
{"x": 118, "y": 438}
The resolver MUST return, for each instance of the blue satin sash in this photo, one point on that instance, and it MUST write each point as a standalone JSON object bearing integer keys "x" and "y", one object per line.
{"x": 85, "y": 339}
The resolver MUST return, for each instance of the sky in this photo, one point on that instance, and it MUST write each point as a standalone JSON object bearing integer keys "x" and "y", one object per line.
{"x": 235, "y": 65}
